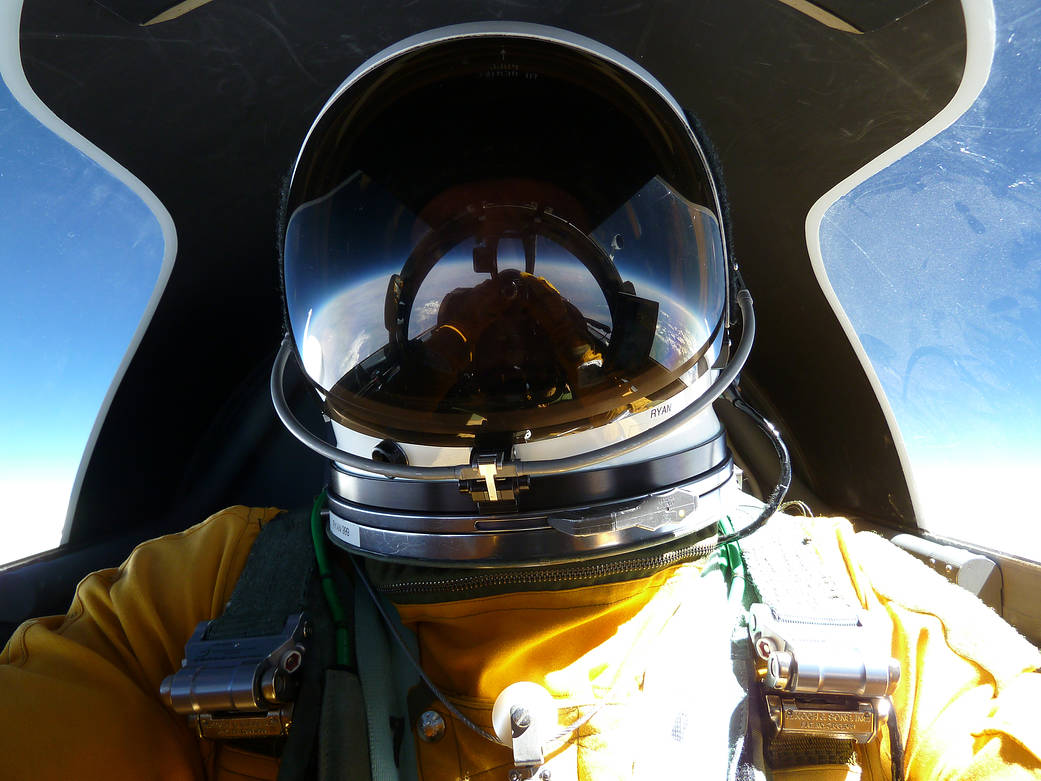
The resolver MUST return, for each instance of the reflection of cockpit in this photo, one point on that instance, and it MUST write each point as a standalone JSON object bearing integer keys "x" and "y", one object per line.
{"x": 509, "y": 313}
{"x": 510, "y": 341}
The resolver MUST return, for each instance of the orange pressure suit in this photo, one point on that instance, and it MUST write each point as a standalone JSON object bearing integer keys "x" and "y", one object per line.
{"x": 79, "y": 693}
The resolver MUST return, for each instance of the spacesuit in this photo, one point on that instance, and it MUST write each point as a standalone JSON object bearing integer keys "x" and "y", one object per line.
{"x": 508, "y": 279}
{"x": 80, "y": 692}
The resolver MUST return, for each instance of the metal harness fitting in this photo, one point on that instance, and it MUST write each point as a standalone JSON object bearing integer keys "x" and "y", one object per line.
{"x": 818, "y": 679}
{"x": 239, "y": 687}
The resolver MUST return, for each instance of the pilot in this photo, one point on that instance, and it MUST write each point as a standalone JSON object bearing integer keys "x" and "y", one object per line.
{"x": 508, "y": 279}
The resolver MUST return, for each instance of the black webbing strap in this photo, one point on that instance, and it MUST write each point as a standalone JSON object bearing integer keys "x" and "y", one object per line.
{"x": 299, "y": 756}
{"x": 786, "y": 751}
{"x": 343, "y": 744}
{"x": 273, "y": 584}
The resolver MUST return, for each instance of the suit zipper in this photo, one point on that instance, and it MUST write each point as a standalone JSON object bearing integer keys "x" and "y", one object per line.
{"x": 536, "y": 576}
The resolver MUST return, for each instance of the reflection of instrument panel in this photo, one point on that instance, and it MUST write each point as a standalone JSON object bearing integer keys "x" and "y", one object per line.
{"x": 509, "y": 343}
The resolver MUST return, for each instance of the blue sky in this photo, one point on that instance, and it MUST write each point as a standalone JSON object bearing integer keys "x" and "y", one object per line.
{"x": 937, "y": 262}
{"x": 79, "y": 256}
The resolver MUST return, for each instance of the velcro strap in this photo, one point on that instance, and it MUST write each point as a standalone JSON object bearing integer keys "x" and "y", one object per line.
{"x": 793, "y": 578}
{"x": 274, "y": 582}
{"x": 784, "y": 751}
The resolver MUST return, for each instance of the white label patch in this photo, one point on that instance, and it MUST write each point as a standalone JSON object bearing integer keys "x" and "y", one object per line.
{"x": 346, "y": 531}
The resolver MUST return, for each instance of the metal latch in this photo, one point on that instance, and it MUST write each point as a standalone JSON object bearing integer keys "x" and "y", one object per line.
{"x": 854, "y": 720}
{"x": 819, "y": 678}
{"x": 490, "y": 478}
{"x": 653, "y": 512}
{"x": 239, "y": 687}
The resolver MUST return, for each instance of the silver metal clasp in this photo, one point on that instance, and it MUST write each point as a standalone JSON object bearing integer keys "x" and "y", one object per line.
{"x": 654, "y": 512}
{"x": 239, "y": 687}
{"x": 524, "y": 718}
{"x": 492, "y": 479}
{"x": 858, "y": 720}
{"x": 820, "y": 676}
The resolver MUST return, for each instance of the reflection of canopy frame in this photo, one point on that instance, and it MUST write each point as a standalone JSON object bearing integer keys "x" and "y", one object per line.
{"x": 546, "y": 467}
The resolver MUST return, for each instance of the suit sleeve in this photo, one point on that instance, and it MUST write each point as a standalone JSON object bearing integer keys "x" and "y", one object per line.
{"x": 968, "y": 694}
{"x": 79, "y": 692}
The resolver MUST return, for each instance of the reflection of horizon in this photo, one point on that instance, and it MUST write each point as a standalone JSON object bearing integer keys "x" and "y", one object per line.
{"x": 349, "y": 326}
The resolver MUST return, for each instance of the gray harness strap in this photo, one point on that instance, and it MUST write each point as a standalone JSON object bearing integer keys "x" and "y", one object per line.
{"x": 343, "y": 748}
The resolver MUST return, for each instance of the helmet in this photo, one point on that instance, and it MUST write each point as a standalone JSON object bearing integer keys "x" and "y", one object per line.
{"x": 507, "y": 278}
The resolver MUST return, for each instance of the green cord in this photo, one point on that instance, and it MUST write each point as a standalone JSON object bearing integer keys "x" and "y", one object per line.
{"x": 343, "y": 640}
{"x": 732, "y": 550}
{"x": 734, "y": 565}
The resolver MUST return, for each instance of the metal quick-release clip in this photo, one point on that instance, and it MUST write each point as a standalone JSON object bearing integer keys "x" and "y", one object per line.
{"x": 240, "y": 687}
{"x": 492, "y": 480}
{"x": 817, "y": 676}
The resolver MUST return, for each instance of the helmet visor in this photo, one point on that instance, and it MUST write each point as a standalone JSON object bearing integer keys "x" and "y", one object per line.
{"x": 493, "y": 313}
{"x": 502, "y": 238}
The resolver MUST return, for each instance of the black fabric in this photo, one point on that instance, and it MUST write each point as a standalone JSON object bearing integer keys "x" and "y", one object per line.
{"x": 343, "y": 750}
{"x": 274, "y": 582}
{"x": 300, "y": 753}
{"x": 783, "y": 751}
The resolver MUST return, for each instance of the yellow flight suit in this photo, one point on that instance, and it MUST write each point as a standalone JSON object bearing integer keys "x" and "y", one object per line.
{"x": 79, "y": 693}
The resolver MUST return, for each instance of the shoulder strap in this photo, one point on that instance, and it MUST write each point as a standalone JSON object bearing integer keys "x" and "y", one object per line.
{"x": 274, "y": 582}
{"x": 808, "y": 592}
{"x": 276, "y": 633}
{"x": 793, "y": 577}
{"x": 278, "y": 581}
{"x": 239, "y": 670}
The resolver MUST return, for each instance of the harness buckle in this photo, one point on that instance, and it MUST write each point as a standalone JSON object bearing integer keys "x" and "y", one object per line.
{"x": 818, "y": 675}
{"x": 239, "y": 687}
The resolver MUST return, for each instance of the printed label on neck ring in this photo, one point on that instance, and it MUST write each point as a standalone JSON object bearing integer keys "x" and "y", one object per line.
{"x": 345, "y": 530}
{"x": 661, "y": 411}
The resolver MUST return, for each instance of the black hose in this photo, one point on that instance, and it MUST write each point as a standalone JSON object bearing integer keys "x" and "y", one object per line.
{"x": 784, "y": 480}
{"x": 896, "y": 746}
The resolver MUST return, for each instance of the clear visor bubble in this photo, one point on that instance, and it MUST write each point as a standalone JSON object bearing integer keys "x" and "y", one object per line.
{"x": 492, "y": 313}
